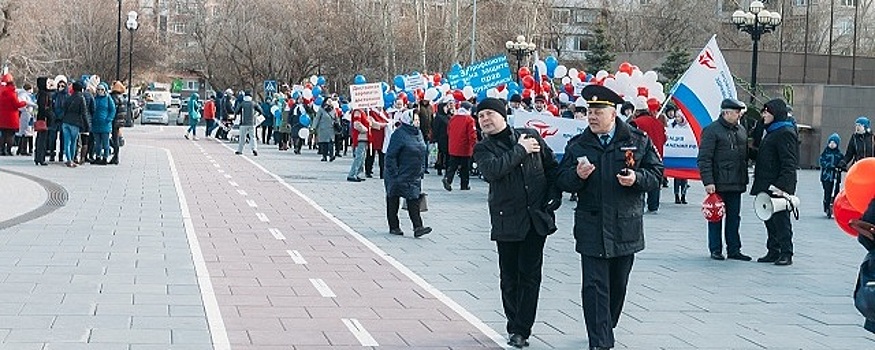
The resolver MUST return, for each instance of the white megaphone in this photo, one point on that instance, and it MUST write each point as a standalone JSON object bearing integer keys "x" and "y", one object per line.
{"x": 765, "y": 205}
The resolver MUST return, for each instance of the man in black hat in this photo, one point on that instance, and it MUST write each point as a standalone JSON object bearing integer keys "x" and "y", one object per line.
{"x": 722, "y": 163}
{"x": 521, "y": 172}
{"x": 609, "y": 166}
{"x": 776, "y": 161}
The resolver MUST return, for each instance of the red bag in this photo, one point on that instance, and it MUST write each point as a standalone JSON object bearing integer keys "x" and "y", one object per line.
{"x": 713, "y": 208}
{"x": 40, "y": 125}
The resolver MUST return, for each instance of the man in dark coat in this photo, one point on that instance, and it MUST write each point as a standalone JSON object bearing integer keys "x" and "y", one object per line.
{"x": 861, "y": 144}
{"x": 521, "y": 172}
{"x": 610, "y": 166}
{"x": 722, "y": 163}
{"x": 59, "y": 100}
{"x": 439, "y": 134}
{"x": 776, "y": 162}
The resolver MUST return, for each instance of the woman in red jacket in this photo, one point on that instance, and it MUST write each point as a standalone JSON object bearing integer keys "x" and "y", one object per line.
{"x": 9, "y": 117}
{"x": 462, "y": 135}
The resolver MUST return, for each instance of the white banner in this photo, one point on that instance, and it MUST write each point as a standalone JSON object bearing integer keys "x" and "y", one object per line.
{"x": 413, "y": 82}
{"x": 555, "y": 131}
{"x": 366, "y": 95}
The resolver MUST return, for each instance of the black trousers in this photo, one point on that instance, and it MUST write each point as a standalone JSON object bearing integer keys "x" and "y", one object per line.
{"x": 519, "y": 265}
{"x": 373, "y": 154}
{"x": 463, "y": 164}
{"x": 339, "y": 144}
{"x": 7, "y": 140}
{"x": 442, "y": 157}
{"x": 266, "y": 133}
{"x": 42, "y": 141}
{"x": 297, "y": 143}
{"x": 116, "y": 136}
{"x": 830, "y": 190}
{"x": 603, "y": 294}
{"x": 52, "y": 145}
{"x": 393, "y": 204}
{"x": 326, "y": 149}
{"x": 780, "y": 234}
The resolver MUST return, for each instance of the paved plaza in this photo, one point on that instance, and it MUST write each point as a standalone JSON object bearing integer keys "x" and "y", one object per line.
{"x": 188, "y": 246}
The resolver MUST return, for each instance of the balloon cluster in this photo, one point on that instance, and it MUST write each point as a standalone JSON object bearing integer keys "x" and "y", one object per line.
{"x": 434, "y": 89}
{"x": 859, "y": 190}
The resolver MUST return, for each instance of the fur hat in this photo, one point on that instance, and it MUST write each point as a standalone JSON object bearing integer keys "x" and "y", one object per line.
{"x": 118, "y": 87}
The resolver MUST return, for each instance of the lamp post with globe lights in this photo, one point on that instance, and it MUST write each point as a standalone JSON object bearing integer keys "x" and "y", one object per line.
{"x": 132, "y": 26}
{"x": 756, "y": 22}
{"x": 520, "y": 49}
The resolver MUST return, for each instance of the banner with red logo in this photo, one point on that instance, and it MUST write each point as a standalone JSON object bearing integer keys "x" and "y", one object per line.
{"x": 555, "y": 131}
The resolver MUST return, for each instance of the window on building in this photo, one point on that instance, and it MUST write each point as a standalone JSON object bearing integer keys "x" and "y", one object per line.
{"x": 550, "y": 44}
{"x": 583, "y": 16}
{"x": 177, "y": 28}
{"x": 800, "y": 2}
{"x": 845, "y": 27}
{"x": 562, "y": 16}
{"x": 581, "y": 43}
{"x": 851, "y": 3}
{"x": 643, "y": 2}
{"x": 192, "y": 85}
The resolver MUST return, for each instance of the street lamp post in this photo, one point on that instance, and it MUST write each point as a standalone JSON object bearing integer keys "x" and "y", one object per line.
{"x": 132, "y": 26}
{"x": 520, "y": 49}
{"x": 118, "y": 44}
{"x": 756, "y": 22}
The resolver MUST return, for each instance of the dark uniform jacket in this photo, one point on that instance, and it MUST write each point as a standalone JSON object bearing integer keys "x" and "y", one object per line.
{"x": 860, "y": 146}
{"x": 405, "y": 163}
{"x": 608, "y": 219}
{"x": 776, "y": 161}
{"x": 520, "y": 185}
{"x": 722, "y": 159}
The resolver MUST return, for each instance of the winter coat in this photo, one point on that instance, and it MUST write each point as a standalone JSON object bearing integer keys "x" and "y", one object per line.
{"x": 25, "y": 119}
{"x": 654, "y": 129}
{"x": 44, "y": 106}
{"x": 426, "y": 115}
{"x": 295, "y": 118}
{"x": 104, "y": 114}
{"x": 324, "y": 125}
{"x": 247, "y": 109}
{"x": 608, "y": 219}
{"x": 9, "y": 106}
{"x": 830, "y": 159}
{"x": 59, "y": 101}
{"x": 439, "y": 130}
{"x": 462, "y": 135}
{"x": 121, "y": 109}
{"x": 405, "y": 163}
{"x": 210, "y": 110}
{"x": 777, "y": 159}
{"x": 519, "y": 185}
{"x": 722, "y": 158}
{"x": 377, "y": 134}
{"x": 194, "y": 108}
{"x": 859, "y": 146}
{"x": 76, "y": 111}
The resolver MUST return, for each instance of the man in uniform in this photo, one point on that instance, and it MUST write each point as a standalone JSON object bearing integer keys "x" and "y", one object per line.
{"x": 610, "y": 166}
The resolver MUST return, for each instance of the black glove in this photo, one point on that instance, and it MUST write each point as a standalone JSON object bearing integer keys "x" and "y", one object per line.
{"x": 553, "y": 204}
{"x": 843, "y": 165}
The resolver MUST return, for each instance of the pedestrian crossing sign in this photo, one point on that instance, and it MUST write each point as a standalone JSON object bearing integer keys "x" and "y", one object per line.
{"x": 270, "y": 86}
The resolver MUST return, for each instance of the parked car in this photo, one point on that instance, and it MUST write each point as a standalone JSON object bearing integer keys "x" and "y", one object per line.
{"x": 155, "y": 112}
{"x": 175, "y": 99}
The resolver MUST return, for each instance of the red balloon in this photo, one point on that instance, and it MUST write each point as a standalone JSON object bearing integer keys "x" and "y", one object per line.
{"x": 569, "y": 89}
{"x": 582, "y": 76}
{"x": 458, "y": 95}
{"x": 626, "y": 67}
{"x": 653, "y": 105}
{"x": 309, "y": 86}
{"x": 528, "y": 81}
{"x": 643, "y": 91}
{"x": 546, "y": 87}
{"x": 500, "y": 88}
{"x": 553, "y": 109}
{"x": 437, "y": 78}
{"x": 525, "y": 72}
{"x": 527, "y": 93}
{"x": 843, "y": 213}
{"x": 419, "y": 93}
{"x": 860, "y": 184}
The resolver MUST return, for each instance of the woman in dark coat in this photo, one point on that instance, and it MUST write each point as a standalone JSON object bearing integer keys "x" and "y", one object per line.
{"x": 439, "y": 133}
{"x": 44, "y": 113}
{"x": 405, "y": 165}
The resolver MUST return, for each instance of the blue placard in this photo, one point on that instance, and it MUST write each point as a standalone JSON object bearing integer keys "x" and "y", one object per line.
{"x": 482, "y": 75}
{"x": 270, "y": 86}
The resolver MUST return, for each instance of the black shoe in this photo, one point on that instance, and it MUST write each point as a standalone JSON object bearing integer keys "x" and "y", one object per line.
{"x": 370, "y": 176}
{"x": 598, "y": 348}
{"x": 466, "y": 188}
{"x": 396, "y": 231}
{"x": 717, "y": 256}
{"x": 447, "y": 184}
{"x": 354, "y": 179}
{"x": 427, "y": 172}
{"x": 255, "y": 153}
{"x": 440, "y": 172}
{"x": 332, "y": 158}
{"x": 684, "y": 199}
{"x": 113, "y": 161}
{"x": 677, "y": 199}
{"x": 422, "y": 231}
{"x": 324, "y": 159}
{"x": 769, "y": 258}
{"x": 785, "y": 260}
{"x": 738, "y": 256}
{"x": 238, "y": 153}
{"x": 517, "y": 341}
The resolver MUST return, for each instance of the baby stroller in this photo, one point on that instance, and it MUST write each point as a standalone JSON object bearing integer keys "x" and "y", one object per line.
{"x": 836, "y": 188}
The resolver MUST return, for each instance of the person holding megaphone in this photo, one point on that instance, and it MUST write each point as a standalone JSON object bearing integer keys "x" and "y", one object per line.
{"x": 777, "y": 159}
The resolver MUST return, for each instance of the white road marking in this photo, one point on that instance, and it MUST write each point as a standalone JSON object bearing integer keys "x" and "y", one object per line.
{"x": 467, "y": 315}
{"x": 323, "y": 288}
{"x": 212, "y": 160}
{"x": 220, "y": 171}
{"x": 209, "y": 157}
{"x": 218, "y": 332}
{"x": 251, "y": 203}
{"x": 232, "y": 183}
{"x": 277, "y": 234}
{"x": 360, "y": 332}
{"x": 242, "y": 192}
{"x": 262, "y": 217}
{"x": 228, "y": 176}
{"x": 296, "y": 257}
{"x": 217, "y": 165}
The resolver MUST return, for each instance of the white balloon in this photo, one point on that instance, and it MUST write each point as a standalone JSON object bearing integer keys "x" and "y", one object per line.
{"x": 658, "y": 95}
{"x": 542, "y": 67}
{"x": 575, "y": 79}
{"x": 640, "y": 102}
{"x": 650, "y": 76}
{"x": 468, "y": 92}
{"x": 601, "y": 74}
{"x": 314, "y": 79}
{"x": 566, "y": 80}
{"x": 654, "y": 86}
{"x": 560, "y": 71}
{"x": 493, "y": 93}
{"x": 431, "y": 94}
{"x": 580, "y": 102}
{"x": 612, "y": 84}
{"x": 444, "y": 88}
{"x": 503, "y": 94}
{"x": 637, "y": 76}
{"x": 572, "y": 73}
{"x": 563, "y": 97}
{"x": 304, "y": 133}
{"x": 307, "y": 94}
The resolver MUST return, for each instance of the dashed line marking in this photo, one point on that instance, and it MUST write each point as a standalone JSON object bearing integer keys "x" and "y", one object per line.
{"x": 242, "y": 193}
{"x": 251, "y": 203}
{"x": 220, "y": 171}
{"x": 228, "y": 176}
{"x": 217, "y": 165}
{"x": 232, "y": 183}
{"x": 278, "y": 235}
{"x": 360, "y": 332}
{"x": 296, "y": 257}
{"x": 262, "y": 217}
{"x": 323, "y": 288}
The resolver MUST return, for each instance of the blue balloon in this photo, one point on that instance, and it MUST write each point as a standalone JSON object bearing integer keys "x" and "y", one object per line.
{"x": 317, "y": 91}
{"x": 430, "y": 85}
{"x": 388, "y": 100}
{"x": 481, "y": 95}
{"x": 589, "y": 77}
{"x": 385, "y": 86}
{"x": 318, "y": 100}
{"x": 513, "y": 86}
{"x": 399, "y": 82}
{"x": 344, "y": 107}
{"x": 551, "y": 63}
{"x": 444, "y": 80}
{"x": 296, "y": 95}
{"x": 360, "y": 79}
{"x": 304, "y": 120}
{"x": 410, "y": 97}
{"x": 320, "y": 81}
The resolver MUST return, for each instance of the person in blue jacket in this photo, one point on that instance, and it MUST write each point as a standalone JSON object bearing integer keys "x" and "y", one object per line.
{"x": 194, "y": 115}
{"x": 830, "y": 159}
{"x": 405, "y": 165}
{"x": 101, "y": 124}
